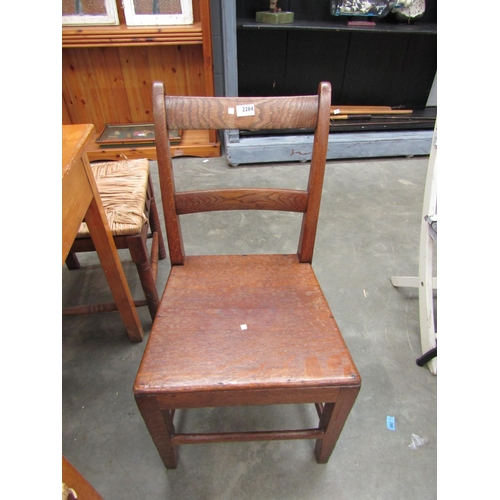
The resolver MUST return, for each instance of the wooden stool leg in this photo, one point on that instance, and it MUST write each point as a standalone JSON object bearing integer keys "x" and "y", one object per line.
{"x": 160, "y": 426}
{"x": 332, "y": 421}
{"x": 139, "y": 254}
{"x": 72, "y": 261}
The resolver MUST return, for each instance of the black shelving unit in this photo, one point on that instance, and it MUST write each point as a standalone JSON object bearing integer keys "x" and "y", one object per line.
{"x": 389, "y": 64}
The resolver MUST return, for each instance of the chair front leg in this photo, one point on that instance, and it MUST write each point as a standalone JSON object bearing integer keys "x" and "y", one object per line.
{"x": 332, "y": 420}
{"x": 161, "y": 427}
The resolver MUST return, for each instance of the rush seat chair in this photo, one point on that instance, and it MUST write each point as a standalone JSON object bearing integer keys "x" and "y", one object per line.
{"x": 127, "y": 196}
{"x": 239, "y": 330}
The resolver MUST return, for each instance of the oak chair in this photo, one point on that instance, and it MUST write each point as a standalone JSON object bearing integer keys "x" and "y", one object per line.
{"x": 127, "y": 195}
{"x": 237, "y": 330}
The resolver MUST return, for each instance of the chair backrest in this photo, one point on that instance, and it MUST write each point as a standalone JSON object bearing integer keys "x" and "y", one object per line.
{"x": 212, "y": 113}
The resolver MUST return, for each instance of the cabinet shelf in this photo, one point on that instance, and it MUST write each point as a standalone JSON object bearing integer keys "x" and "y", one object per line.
{"x": 381, "y": 26}
{"x": 131, "y": 36}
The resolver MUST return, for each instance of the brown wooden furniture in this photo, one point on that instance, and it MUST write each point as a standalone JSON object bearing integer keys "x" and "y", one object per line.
{"x": 108, "y": 73}
{"x": 75, "y": 486}
{"x": 80, "y": 199}
{"x": 236, "y": 330}
{"x": 127, "y": 195}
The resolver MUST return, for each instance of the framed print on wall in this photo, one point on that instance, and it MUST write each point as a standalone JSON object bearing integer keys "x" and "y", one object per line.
{"x": 84, "y": 12}
{"x": 158, "y": 12}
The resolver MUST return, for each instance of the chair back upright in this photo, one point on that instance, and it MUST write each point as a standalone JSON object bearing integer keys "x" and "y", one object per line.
{"x": 246, "y": 113}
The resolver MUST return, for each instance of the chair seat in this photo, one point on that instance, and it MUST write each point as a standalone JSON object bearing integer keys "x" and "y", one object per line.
{"x": 231, "y": 323}
{"x": 126, "y": 191}
{"x": 122, "y": 186}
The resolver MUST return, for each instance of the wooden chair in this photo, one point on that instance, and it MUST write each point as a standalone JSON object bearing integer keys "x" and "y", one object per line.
{"x": 426, "y": 281}
{"x": 127, "y": 195}
{"x": 237, "y": 330}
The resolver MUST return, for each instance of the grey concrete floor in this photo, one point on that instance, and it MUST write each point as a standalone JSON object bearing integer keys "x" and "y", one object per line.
{"x": 368, "y": 231}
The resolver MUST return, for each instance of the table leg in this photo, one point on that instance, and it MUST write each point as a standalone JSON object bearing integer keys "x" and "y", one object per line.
{"x": 113, "y": 270}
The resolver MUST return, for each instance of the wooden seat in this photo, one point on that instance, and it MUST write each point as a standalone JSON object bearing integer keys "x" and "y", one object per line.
{"x": 127, "y": 195}
{"x": 238, "y": 330}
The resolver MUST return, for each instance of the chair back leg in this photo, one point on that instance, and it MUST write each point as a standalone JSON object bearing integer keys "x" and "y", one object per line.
{"x": 139, "y": 254}
{"x": 72, "y": 261}
{"x": 155, "y": 225}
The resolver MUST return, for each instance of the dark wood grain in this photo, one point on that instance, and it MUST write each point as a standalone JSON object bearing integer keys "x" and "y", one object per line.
{"x": 221, "y": 113}
{"x": 291, "y": 337}
{"x": 240, "y": 199}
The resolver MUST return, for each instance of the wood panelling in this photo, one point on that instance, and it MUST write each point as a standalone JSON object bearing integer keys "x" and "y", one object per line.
{"x": 113, "y": 84}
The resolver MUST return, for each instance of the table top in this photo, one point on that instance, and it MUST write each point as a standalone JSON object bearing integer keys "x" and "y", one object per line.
{"x": 74, "y": 138}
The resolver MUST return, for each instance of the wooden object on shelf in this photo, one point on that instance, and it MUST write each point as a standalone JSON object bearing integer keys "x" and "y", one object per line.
{"x": 108, "y": 71}
{"x": 193, "y": 143}
{"x": 81, "y": 200}
{"x": 367, "y": 110}
{"x": 132, "y": 135}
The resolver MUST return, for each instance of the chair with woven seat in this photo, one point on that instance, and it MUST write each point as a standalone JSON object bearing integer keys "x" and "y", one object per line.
{"x": 239, "y": 330}
{"x": 127, "y": 195}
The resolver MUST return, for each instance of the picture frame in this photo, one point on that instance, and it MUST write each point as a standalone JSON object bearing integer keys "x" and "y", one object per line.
{"x": 89, "y": 12}
{"x": 136, "y": 134}
{"x": 158, "y": 12}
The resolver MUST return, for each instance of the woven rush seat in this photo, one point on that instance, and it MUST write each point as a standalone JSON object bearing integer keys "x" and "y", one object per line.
{"x": 122, "y": 187}
{"x": 127, "y": 196}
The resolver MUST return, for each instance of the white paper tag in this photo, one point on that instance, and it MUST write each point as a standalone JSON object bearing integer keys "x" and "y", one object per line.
{"x": 245, "y": 110}
{"x": 336, "y": 111}
{"x": 230, "y": 111}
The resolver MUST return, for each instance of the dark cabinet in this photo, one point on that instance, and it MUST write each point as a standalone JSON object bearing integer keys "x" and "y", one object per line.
{"x": 391, "y": 63}
{"x": 388, "y": 64}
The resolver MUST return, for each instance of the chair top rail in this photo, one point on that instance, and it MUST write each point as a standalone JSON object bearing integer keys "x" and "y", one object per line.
{"x": 248, "y": 113}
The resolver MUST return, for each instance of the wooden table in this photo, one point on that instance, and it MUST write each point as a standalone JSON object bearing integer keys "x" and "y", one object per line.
{"x": 80, "y": 200}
